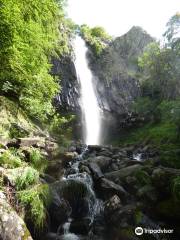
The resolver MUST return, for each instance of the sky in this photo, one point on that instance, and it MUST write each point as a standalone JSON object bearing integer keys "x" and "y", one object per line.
{"x": 118, "y": 16}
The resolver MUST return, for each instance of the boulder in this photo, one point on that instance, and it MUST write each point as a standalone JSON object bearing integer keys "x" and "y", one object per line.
{"x": 123, "y": 173}
{"x": 94, "y": 148}
{"x": 103, "y": 162}
{"x": 12, "y": 227}
{"x": 96, "y": 171}
{"x": 59, "y": 210}
{"x": 108, "y": 188}
{"x": 81, "y": 226}
{"x": 113, "y": 204}
{"x": 31, "y": 142}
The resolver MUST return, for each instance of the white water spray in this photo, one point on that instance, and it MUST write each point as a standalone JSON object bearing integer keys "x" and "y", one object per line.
{"x": 89, "y": 104}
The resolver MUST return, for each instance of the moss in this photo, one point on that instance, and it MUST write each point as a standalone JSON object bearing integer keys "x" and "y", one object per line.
{"x": 143, "y": 177}
{"x": 170, "y": 158}
{"x": 138, "y": 217}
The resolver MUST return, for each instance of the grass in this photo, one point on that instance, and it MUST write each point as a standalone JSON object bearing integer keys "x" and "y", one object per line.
{"x": 158, "y": 134}
{"x": 28, "y": 177}
{"x": 9, "y": 159}
{"x": 35, "y": 201}
{"x": 162, "y": 136}
{"x": 37, "y": 160}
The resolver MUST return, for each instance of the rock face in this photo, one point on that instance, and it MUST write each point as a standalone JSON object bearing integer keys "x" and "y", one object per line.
{"x": 116, "y": 69}
{"x": 68, "y": 98}
{"x": 116, "y": 78}
{"x": 12, "y": 227}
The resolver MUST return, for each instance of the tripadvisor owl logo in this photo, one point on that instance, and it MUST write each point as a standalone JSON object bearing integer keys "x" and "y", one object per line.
{"x": 139, "y": 231}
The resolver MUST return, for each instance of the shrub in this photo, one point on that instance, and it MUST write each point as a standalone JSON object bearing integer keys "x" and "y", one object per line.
{"x": 96, "y": 37}
{"x": 37, "y": 160}
{"x": 35, "y": 201}
{"x": 28, "y": 177}
{"x": 176, "y": 188}
{"x": 8, "y": 159}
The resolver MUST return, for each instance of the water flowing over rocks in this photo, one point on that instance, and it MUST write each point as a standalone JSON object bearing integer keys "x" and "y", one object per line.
{"x": 115, "y": 81}
{"x": 105, "y": 194}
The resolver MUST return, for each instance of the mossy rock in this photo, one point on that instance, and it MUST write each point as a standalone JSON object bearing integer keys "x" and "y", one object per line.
{"x": 170, "y": 158}
{"x": 143, "y": 177}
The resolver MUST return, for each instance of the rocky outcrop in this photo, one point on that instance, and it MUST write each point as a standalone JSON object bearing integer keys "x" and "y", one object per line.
{"x": 68, "y": 98}
{"x": 12, "y": 227}
{"x": 116, "y": 72}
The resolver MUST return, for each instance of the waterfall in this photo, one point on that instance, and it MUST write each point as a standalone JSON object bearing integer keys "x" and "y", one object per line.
{"x": 89, "y": 103}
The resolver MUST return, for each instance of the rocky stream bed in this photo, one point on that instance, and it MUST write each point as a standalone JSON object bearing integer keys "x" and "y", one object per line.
{"x": 106, "y": 192}
{"x": 98, "y": 193}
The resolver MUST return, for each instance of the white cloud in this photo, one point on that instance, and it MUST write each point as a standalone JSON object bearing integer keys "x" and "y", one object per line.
{"x": 118, "y": 16}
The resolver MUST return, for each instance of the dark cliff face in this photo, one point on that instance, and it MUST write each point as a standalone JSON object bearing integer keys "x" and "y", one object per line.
{"x": 116, "y": 80}
{"x": 117, "y": 71}
{"x": 68, "y": 99}
{"x": 116, "y": 83}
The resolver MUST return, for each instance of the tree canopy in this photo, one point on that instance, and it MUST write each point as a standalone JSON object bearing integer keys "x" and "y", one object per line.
{"x": 31, "y": 33}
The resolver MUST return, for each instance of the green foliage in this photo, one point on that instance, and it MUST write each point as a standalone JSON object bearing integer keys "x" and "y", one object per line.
{"x": 35, "y": 201}
{"x": 61, "y": 127}
{"x": 10, "y": 159}
{"x": 173, "y": 29}
{"x": 96, "y": 37}
{"x": 37, "y": 160}
{"x": 160, "y": 72}
{"x": 29, "y": 37}
{"x": 28, "y": 177}
{"x": 16, "y": 131}
{"x": 176, "y": 188}
{"x": 170, "y": 158}
{"x": 144, "y": 106}
{"x": 143, "y": 177}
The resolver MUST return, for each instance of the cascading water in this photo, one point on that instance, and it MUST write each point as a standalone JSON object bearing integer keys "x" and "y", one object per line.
{"x": 89, "y": 103}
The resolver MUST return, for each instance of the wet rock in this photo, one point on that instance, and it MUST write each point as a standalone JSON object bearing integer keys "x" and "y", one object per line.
{"x": 124, "y": 172}
{"x": 69, "y": 236}
{"x": 59, "y": 210}
{"x": 113, "y": 204}
{"x": 94, "y": 148}
{"x": 108, "y": 188}
{"x": 122, "y": 217}
{"x": 96, "y": 171}
{"x": 78, "y": 195}
{"x": 81, "y": 226}
{"x": 83, "y": 168}
{"x": 52, "y": 236}
{"x": 103, "y": 162}
{"x": 12, "y": 227}
{"x": 69, "y": 156}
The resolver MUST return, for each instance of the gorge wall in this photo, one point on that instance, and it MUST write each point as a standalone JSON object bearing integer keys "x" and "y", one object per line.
{"x": 116, "y": 79}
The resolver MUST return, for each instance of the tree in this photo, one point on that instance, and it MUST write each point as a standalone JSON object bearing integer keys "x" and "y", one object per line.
{"x": 31, "y": 32}
{"x": 159, "y": 72}
{"x": 172, "y": 34}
